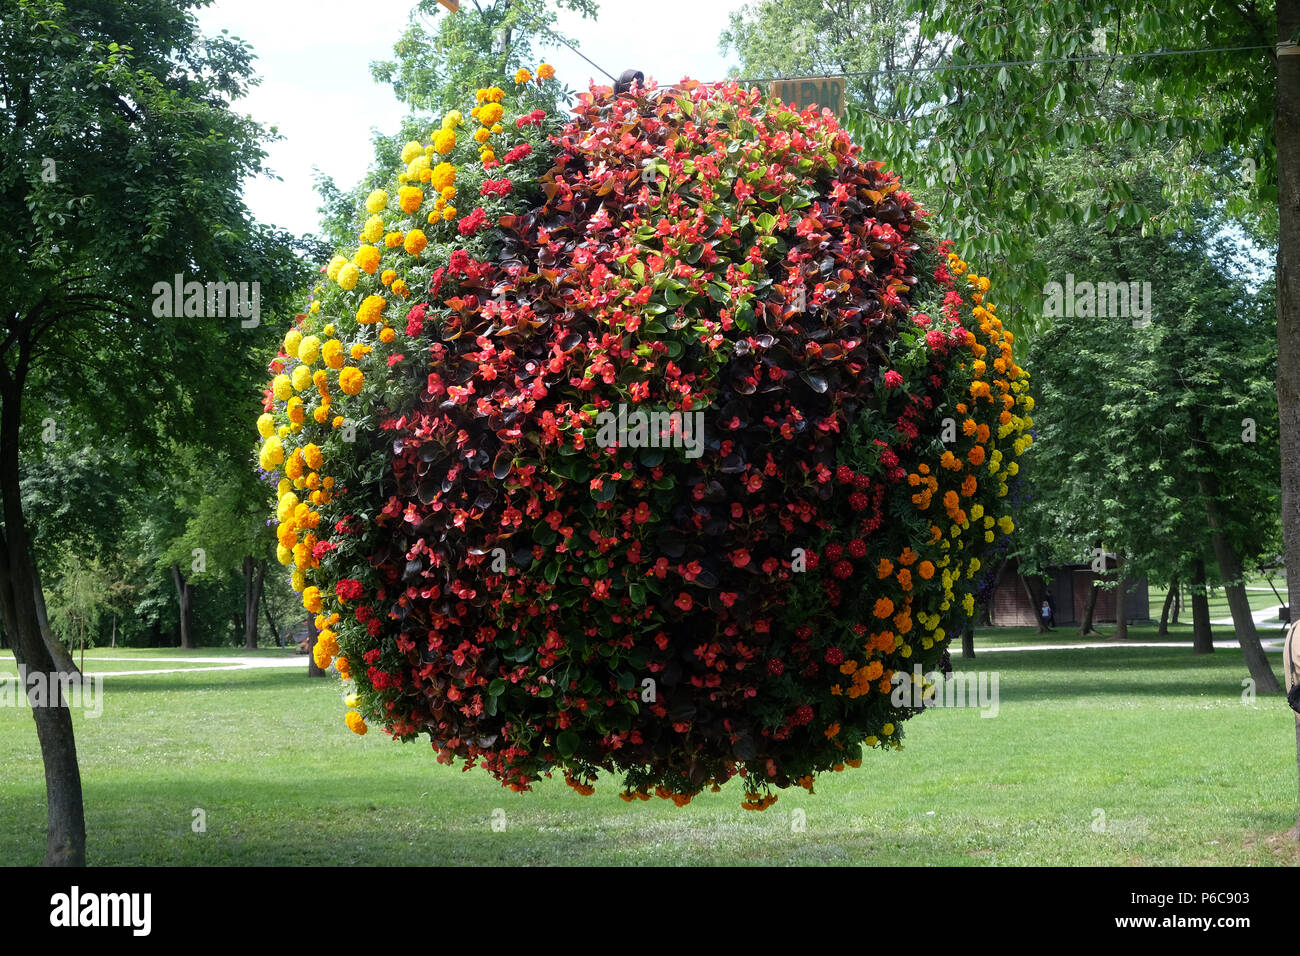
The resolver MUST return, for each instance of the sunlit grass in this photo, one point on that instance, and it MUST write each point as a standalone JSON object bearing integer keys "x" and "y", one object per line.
{"x": 1157, "y": 739}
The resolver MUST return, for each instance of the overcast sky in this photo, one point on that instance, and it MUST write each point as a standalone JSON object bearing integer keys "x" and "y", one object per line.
{"x": 314, "y": 59}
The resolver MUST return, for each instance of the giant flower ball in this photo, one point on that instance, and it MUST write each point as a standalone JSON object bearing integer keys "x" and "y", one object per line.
{"x": 660, "y": 438}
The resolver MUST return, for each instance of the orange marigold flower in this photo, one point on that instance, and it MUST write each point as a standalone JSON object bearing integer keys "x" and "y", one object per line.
{"x": 908, "y": 557}
{"x": 976, "y": 454}
{"x": 905, "y": 579}
{"x": 925, "y": 569}
{"x": 885, "y": 569}
{"x": 969, "y": 486}
{"x": 884, "y": 607}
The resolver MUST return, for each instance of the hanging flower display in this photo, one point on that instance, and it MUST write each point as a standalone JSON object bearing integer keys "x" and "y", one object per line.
{"x": 663, "y": 440}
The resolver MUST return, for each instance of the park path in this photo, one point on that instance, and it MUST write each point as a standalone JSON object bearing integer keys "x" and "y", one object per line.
{"x": 1273, "y": 644}
{"x": 221, "y": 664}
{"x": 1267, "y": 615}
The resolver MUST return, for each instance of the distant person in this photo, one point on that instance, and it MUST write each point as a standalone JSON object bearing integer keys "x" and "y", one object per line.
{"x": 1045, "y": 612}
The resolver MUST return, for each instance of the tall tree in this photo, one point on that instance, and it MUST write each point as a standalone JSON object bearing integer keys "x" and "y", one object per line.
{"x": 121, "y": 163}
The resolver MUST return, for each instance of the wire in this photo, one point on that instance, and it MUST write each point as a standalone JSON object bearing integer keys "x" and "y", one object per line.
{"x": 1003, "y": 63}
{"x": 585, "y": 57}
{"x": 547, "y": 33}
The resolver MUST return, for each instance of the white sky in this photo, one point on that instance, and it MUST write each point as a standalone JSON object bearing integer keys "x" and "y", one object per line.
{"x": 314, "y": 59}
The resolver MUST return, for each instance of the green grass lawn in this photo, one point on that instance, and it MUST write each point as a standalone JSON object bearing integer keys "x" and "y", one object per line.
{"x": 1158, "y": 739}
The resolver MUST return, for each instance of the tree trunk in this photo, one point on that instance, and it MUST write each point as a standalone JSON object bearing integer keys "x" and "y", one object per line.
{"x": 1202, "y": 635}
{"x": 968, "y": 643}
{"x": 1286, "y": 135}
{"x": 65, "y": 840}
{"x": 1163, "y": 630}
{"x": 1085, "y": 626}
{"x": 185, "y": 598}
{"x": 1234, "y": 583}
{"x": 1121, "y": 600}
{"x": 254, "y": 572}
{"x": 61, "y": 655}
{"x": 1178, "y": 601}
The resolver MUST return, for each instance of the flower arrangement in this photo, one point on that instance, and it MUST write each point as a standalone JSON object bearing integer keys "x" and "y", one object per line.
{"x": 490, "y": 568}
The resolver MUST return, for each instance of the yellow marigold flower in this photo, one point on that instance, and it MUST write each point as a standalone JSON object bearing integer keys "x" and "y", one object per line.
{"x": 415, "y": 242}
{"x": 497, "y": 127}
{"x": 332, "y": 352}
{"x": 355, "y": 723}
{"x": 447, "y": 194}
{"x": 522, "y": 76}
{"x": 487, "y": 156}
{"x": 373, "y": 230}
{"x": 272, "y": 454}
{"x": 283, "y": 554}
{"x": 367, "y": 259}
{"x": 371, "y": 310}
{"x": 410, "y": 198}
{"x": 452, "y": 119}
{"x": 444, "y": 141}
{"x": 359, "y": 351}
{"x": 545, "y": 71}
{"x": 309, "y": 350}
{"x": 301, "y": 378}
{"x": 291, "y": 340}
{"x": 481, "y": 135}
{"x": 348, "y": 277}
{"x": 449, "y": 213}
{"x": 299, "y": 580}
{"x": 321, "y": 414}
{"x": 332, "y": 270}
{"x": 387, "y": 335}
{"x": 329, "y": 640}
{"x": 376, "y": 201}
{"x": 444, "y": 174}
{"x": 322, "y": 659}
{"x": 494, "y": 94}
{"x": 393, "y": 239}
{"x": 265, "y": 425}
{"x": 314, "y": 308}
{"x": 338, "y": 421}
{"x": 297, "y": 412}
{"x": 311, "y": 454}
{"x": 418, "y": 167}
{"x": 401, "y": 288}
{"x": 387, "y": 276}
{"x": 411, "y": 150}
{"x": 351, "y": 380}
